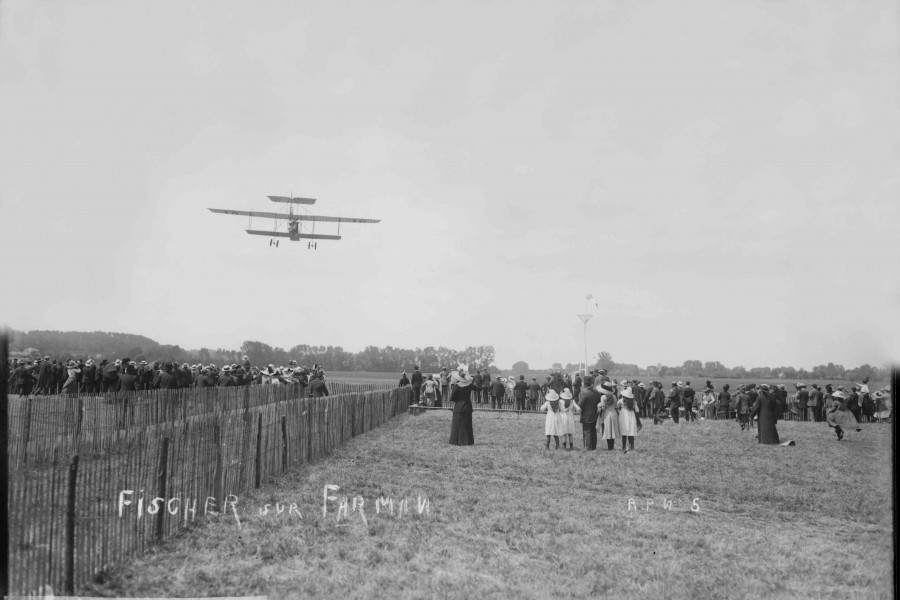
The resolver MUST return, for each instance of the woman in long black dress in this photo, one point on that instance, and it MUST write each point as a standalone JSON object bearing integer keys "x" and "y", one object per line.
{"x": 767, "y": 409}
{"x": 461, "y": 433}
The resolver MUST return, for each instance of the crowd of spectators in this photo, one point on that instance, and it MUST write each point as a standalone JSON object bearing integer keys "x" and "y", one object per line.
{"x": 48, "y": 376}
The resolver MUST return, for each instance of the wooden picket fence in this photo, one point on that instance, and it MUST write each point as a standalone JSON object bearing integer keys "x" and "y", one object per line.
{"x": 73, "y": 462}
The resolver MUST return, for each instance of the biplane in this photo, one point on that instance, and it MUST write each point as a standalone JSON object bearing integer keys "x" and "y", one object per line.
{"x": 292, "y": 223}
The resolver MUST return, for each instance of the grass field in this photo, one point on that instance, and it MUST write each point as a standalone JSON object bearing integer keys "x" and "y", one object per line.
{"x": 508, "y": 519}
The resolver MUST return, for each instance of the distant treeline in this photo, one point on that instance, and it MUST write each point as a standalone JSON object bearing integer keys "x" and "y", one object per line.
{"x": 101, "y": 344}
{"x": 714, "y": 369}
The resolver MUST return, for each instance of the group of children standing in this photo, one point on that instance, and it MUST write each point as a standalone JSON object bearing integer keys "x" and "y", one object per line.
{"x": 615, "y": 415}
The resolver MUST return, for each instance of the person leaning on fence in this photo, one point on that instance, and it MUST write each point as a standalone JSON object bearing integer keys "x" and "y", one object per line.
{"x": 461, "y": 431}
{"x": 71, "y": 384}
{"x": 498, "y": 391}
{"x": 520, "y": 391}
{"x": 802, "y": 400}
{"x": 127, "y": 380}
{"x": 317, "y": 387}
{"x": 43, "y": 377}
{"x": 477, "y": 381}
{"x": 485, "y": 386}
{"x": 429, "y": 388}
{"x": 416, "y": 382}
{"x": 534, "y": 392}
{"x": 404, "y": 380}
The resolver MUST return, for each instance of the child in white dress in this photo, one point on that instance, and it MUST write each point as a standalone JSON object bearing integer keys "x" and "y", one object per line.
{"x": 552, "y": 422}
{"x": 567, "y": 409}
{"x": 629, "y": 424}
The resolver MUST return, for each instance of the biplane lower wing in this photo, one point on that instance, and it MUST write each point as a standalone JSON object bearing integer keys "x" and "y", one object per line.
{"x": 324, "y": 219}
{"x": 302, "y": 236}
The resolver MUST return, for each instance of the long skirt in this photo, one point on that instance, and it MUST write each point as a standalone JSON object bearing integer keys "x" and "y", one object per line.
{"x": 883, "y": 409}
{"x": 461, "y": 433}
{"x": 843, "y": 419}
{"x": 627, "y": 422}
{"x": 610, "y": 421}
{"x": 70, "y": 386}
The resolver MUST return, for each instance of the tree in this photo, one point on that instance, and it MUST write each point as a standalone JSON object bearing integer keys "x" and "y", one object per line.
{"x": 604, "y": 361}
{"x": 520, "y": 367}
{"x": 691, "y": 367}
{"x": 556, "y": 366}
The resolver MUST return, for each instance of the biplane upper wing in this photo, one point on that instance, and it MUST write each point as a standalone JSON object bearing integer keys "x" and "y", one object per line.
{"x": 321, "y": 218}
{"x": 305, "y": 236}
{"x": 250, "y": 213}
{"x": 292, "y": 200}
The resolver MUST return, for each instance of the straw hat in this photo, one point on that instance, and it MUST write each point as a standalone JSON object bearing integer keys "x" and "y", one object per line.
{"x": 627, "y": 393}
{"x": 552, "y": 396}
{"x": 566, "y": 394}
{"x": 604, "y": 387}
{"x": 838, "y": 394}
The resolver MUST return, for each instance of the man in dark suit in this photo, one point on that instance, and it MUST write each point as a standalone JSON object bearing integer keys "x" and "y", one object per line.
{"x": 687, "y": 399}
{"x": 655, "y": 400}
{"x": 167, "y": 379}
{"x": 498, "y": 392}
{"x": 816, "y": 401}
{"x": 534, "y": 391}
{"x": 317, "y": 387}
{"x": 802, "y": 400}
{"x": 44, "y": 375}
{"x": 54, "y": 376}
{"x": 674, "y": 401}
{"x": 588, "y": 403}
{"x": 477, "y": 381}
{"x": 485, "y": 386}
{"x": 520, "y": 391}
{"x": 88, "y": 377}
{"x": 416, "y": 382}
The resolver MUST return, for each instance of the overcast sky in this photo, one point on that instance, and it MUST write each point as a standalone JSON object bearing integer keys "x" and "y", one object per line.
{"x": 723, "y": 177}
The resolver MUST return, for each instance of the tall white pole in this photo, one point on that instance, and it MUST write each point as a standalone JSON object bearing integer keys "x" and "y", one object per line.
{"x": 584, "y": 319}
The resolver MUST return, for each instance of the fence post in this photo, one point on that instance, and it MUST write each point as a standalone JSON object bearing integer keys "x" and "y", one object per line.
{"x": 161, "y": 485}
{"x": 27, "y": 436}
{"x": 4, "y": 463}
{"x": 70, "y": 528}
{"x": 258, "y": 449}
{"x": 80, "y": 419}
{"x": 218, "y": 484}
{"x": 284, "y": 446}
